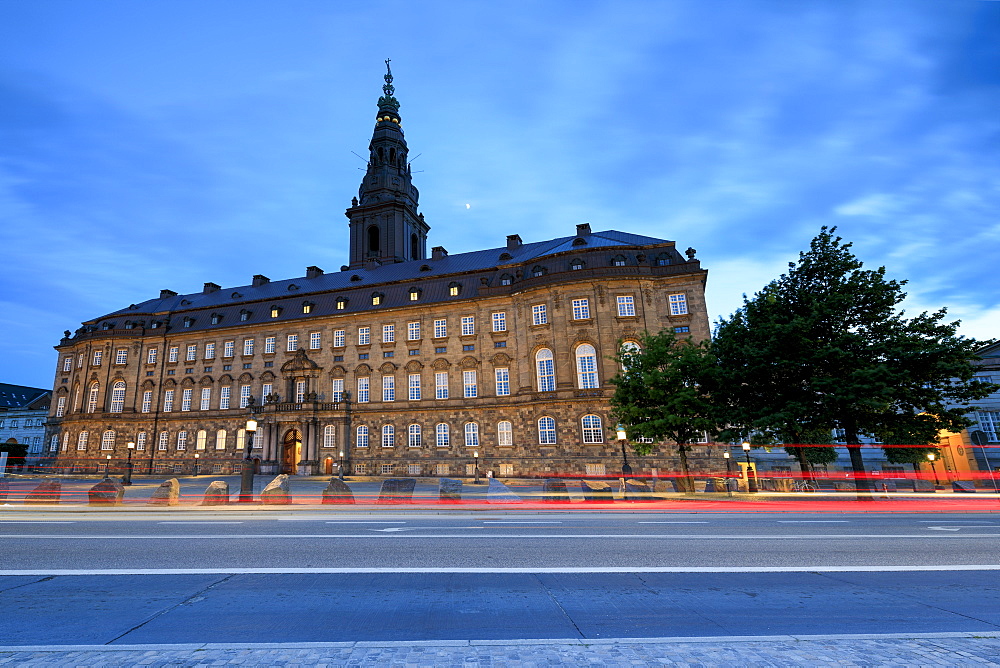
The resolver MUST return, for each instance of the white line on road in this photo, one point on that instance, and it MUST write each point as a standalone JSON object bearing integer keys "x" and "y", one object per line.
{"x": 201, "y": 522}
{"x": 372, "y": 522}
{"x": 541, "y": 569}
{"x": 34, "y": 522}
{"x": 581, "y": 536}
{"x": 813, "y": 521}
{"x": 688, "y": 522}
{"x": 519, "y": 522}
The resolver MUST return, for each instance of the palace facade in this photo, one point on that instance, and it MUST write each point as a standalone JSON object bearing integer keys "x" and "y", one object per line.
{"x": 404, "y": 362}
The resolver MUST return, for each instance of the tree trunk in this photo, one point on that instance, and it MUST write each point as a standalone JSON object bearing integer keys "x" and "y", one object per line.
{"x": 686, "y": 483}
{"x": 861, "y": 484}
{"x": 800, "y": 454}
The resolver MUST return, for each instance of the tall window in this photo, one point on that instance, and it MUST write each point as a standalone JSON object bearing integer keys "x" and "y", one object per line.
{"x": 151, "y": 356}
{"x": 54, "y": 443}
{"x": 413, "y": 436}
{"x": 363, "y": 389}
{"x": 628, "y": 350}
{"x": 210, "y": 351}
{"x": 469, "y": 387}
{"x": 539, "y": 314}
{"x": 269, "y": 344}
{"x": 414, "y": 387}
{"x": 500, "y": 321}
{"x": 441, "y": 385}
{"x": 98, "y": 354}
{"x": 186, "y": 399}
{"x": 337, "y": 389}
{"x": 364, "y": 336}
{"x": 440, "y": 328}
{"x": 147, "y": 401}
{"x": 241, "y": 439}
{"x": 265, "y": 390}
{"x": 67, "y": 364}
{"x": 546, "y": 431}
{"x": 413, "y": 331}
{"x": 471, "y": 435}
{"x": 581, "y": 309}
{"x": 388, "y": 436}
{"x": 388, "y": 388}
{"x": 162, "y": 441}
{"x": 108, "y": 440}
{"x": 248, "y": 346}
{"x": 95, "y": 389}
{"x": 81, "y": 441}
{"x": 388, "y": 333}
{"x": 121, "y": 356}
{"x": 592, "y": 431}
{"x": 502, "y": 382}
{"x": 300, "y": 391}
{"x": 545, "y": 370}
{"x": 244, "y": 396}
{"x": 140, "y": 441}
{"x": 505, "y": 434}
{"x": 192, "y": 353}
{"x": 314, "y": 340}
{"x": 338, "y": 338}
{"x": 224, "y": 394}
{"x": 292, "y": 343}
{"x": 118, "y": 396}
{"x": 206, "y": 398}
{"x": 220, "y": 439}
{"x": 441, "y": 435}
{"x": 362, "y": 439}
{"x": 678, "y": 305}
{"x": 626, "y": 305}
{"x": 168, "y": 400}
{"x": 468, "y": 325}
{"x": 586, "y": 367}
{"x": 201, "y": 440}
{"x": 182, "y": 440}
{"x": 61, "y": 406}
{"x": 329, "y": 436}
{"x": 228, "y": 348}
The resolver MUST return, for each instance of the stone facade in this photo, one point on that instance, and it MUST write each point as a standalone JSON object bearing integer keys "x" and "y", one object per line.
{"x": 512, "y": 347}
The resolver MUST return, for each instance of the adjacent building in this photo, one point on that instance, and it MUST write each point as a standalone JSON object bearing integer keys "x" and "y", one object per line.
{"x": 403, "y": 362}
{"x": 23, "y": 411}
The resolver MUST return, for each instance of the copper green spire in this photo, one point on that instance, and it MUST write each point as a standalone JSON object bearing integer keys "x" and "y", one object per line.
{"x": 387, "y": 102}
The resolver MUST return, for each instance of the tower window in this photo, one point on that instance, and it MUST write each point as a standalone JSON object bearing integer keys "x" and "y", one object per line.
{"x": 414, "y": 247}
{"x": 373, "y": 237}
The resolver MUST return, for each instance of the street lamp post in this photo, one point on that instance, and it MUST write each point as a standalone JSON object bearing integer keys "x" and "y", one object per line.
{"x": 751, "y": 476}
{"x": 341, "y": 465}
{"x": 196, "y": 456}
{"x": 475, "y": 455}
{"x": 127, "y": 478}
{"x": 729, "y": 470}
{"x": 622, "y": 440}
{"x": 931, "y": 456}
{"x": 246, "y": 475}
{"x": 107, "y": 469}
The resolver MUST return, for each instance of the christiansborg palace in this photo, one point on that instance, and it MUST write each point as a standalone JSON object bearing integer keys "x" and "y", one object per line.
{"x": 403, "y": 362}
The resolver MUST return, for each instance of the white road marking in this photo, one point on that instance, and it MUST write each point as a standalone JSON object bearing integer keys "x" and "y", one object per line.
{"x": 687, "y": 522}
{"x": 396, "y": 529}
{"x": 813, "y": 521}
{"x": 944, "y": 528}
{"x": 35, "y": 522}
{"x": 541, "y": 569}
{"x": 201, "y": 522}
{"x": 360, "y": 522}
{"x": 435, "y": 536}
{"x": 520, "y": 522}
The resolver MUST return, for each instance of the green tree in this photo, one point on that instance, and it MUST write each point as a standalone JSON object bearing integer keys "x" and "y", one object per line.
{"x": 664, "y": 392}
{"x": 825, "y": 346}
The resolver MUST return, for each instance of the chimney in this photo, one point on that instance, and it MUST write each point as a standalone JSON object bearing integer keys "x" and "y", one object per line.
{"x": 210, "y": 288}
{"x": 438, "y": 252}
{"x": 167, "y": 293}
{"x": 513, "y": 241}
{"x": 260, "y": 279}
{"x": 583, "y": 229}
{"x": 313, "y": 272}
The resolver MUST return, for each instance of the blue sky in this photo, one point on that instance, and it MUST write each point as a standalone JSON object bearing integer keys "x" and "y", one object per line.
{"x": 149, "y": 145}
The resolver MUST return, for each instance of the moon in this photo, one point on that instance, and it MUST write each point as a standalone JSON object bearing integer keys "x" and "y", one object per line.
{"x": 468, "y": 206}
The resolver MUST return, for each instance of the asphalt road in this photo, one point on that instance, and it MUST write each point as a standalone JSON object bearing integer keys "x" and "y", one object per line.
{"x": 241, "y": 576}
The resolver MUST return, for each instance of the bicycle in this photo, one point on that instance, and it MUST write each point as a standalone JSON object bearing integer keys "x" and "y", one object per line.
{"x": 804, "y": 486}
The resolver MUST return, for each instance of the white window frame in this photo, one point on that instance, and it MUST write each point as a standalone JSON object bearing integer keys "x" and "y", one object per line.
{"x": 225, "y": 393}
{"x": 61, "y": 406}
{"x": 414, "y": 392}
{"x": 626, "y": 306}
{"x": 186, "y": 394}
{"x": 140, "y": 441}
{"x": 468, "y": 325}
{"x": 81, "y": 440}
{"x": 501, "y": 377}
{"x": 364, "y": 336}
{"x": 151, "y": 356}
{"x": 98, "y": 357}
{"x": 388, "y": 436}
{"x": 505, "y": 433}
{"x": 210, "y": 351}
{"x": 206, "y": 399}
{"x": 413, "y": 331}
{"x": 118, "y": 397}
{"x": 163, "y": 440}
{"x": 315, "y": 340}
{"x": 592, "y": 428}
{"x": 581, "y": 309}
{"x": 499, "y": 321}
{"x": 248, "y": 346}
{"x": 440, "y": 328}
{"x": 108, "y": 440}
{"x": 292, "y": 343}
{"x": 442, "y": 435}
{"x": 168, "y": 401}
{"x": 201, "y": 440}
{"x": 147, "y": 401}
{"x": 678, "y": 304}
{"x": 539, "y": 314}
{"x": 388, "y": 388}
{"x": 470, "y": 386}
{"x": 471, "y": 434}
{"x": 330, "y": 436}
{"x": 414, "y": 437}
{"x": 364, "y": 385}
{"x": 300, "y": 391}
{"x": 388, "y": 333}
{"x": 586, "y": 367}
{"x": 339, "y": 338}
{"x": 545, "y": 370}
{"x": 182, "y": 437}
{"x": 361, "y": 440}
{"x": 220, "y": 439}
{"x": 441, "y": 385}
{"x": 92, "y": 397}
{"x": 270, "y": 344}
{"x": 547, "y": 434}
{"x": 228, "y": 348}
{"x": 337, "y": 389}
{"x": 68, "y": 364}
{"x": 121, "y": 356}
{"x": 191, "y": 352}
{"x": 245, "y": 396}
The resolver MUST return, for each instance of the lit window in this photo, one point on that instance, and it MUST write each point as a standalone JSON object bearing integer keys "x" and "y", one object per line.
{"x": 440, "y": 328}
{"x": 539, "y": 314}
{"x": 468, "y": 325}
{"x": 292, "y": 343}
{"x": 275, "y": 311}
{"x": 471, "y": 435}
{"x": 363, "y": 384}
{"x": 338, "y": 338}
{"x": 220, "y": 439}
{"x": 414, "y": 294}
{"x": 592, "y": 431}
{"x": 413, "y": 331}
{"x": 546, "y": 431}
{"x": 388, "y": 436}
{"x": 441, "y": 385}
{"x": 314, "y": 340}
{"x": 307, "y": 307}
{"x": 469, "y": 388}
{"x": 502, "y": 382}
{"x": 441, "y": 435}
{"x": 388, "y": 333}
{"x": 500, "y": 321}
{"x": 586, "y": 367}
{"x": 201, "y": 440}
{"x": 626, "y": 305}
{"x": 341, "y": 304}
{"x": 364, "y": 336}
{"x": 581, "y": 309}
{"x": 678, "y": 305}
{"x": 545, "y": 370}
{"x": 414, "y": 439}
{"x": 388, "y": 388}
{"x": 377, "y": 298}
{"x": 454, "y": 289}
{"x": 414, "y": 387}
{"x": 362, "y": 440}
{"x": 329, "y": 436}
{"x": 118, "y": 397}
{"x": 505, "y": 434}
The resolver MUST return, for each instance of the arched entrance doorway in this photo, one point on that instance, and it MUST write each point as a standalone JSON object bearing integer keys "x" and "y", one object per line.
{"x": 328, "y": 466}
{"x": 291, "y": 451}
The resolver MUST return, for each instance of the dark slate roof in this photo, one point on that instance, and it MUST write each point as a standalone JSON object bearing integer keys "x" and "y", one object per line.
{"x": 384, "y": 275}
{"x": 19, "y": 396}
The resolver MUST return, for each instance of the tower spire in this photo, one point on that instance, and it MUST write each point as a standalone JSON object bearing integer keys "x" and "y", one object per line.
{"x": 385, "y": 225}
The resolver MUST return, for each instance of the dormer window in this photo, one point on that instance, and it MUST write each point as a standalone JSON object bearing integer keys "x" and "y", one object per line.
{"x": 454, "y": 289}
{"x": 538, "y": 271}
{"x": 154, "y": 325}
{"x": 662, "y": 260}
{"x": 244, "y": 315}
{"x": 505, "y": 256}
{"x": 216, "y": 318}
{"x": 425, "y": 267}
{"x": 576, "y": 264}
{"x": 108, "y": 325}
{"x": 355, "y": 277}
{"x": 341, "y": 303}
{"x": 618, "y": 261}
{"x": 377, "y": 298}
{"x": 307, "y": 307}
{"x": 414, "y": 294}
{"x": 506, "y": 279}
{"x": 129, "y": 325}
{"x": 275, "y": 311}
{"x": 188, "y": 322}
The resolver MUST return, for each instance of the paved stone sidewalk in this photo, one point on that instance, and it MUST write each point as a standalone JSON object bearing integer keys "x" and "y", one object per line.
{"x": 919, "y": 649}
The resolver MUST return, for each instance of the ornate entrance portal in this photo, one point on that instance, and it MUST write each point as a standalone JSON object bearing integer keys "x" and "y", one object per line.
{"x": 291, "y": 451}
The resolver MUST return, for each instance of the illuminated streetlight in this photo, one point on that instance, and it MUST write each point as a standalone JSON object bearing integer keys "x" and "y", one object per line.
{"x": 127, "y": 478}
{"x": 246, "y": 475}
{"x": 751, "y": 476}
{"x": 475, "y": 454}
{"x": 931, "y": 457}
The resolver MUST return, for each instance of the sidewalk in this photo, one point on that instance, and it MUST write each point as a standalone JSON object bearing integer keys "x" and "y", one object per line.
{"x": 918, "y": 649}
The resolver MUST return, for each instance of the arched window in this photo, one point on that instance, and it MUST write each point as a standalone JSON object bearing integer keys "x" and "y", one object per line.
{"x": 505, "y": 434}
{"x": 388, "y": 436}
{"x": 220, "y": 439}
{"x": 182, "y": 440}
{"x": 81, "y": 441}
{"x": 414, "y": 247}
{"x": 545, "y": 370}
{"x": 414, "y": 436}
{"x": 201, "y": 440}
{"x": 95, "y": 389}
{"x": 373, "y": 238}
{"x": 592, "y": 430}
{"x": 329, "y": 436}
{"x": 108, "y": 440}
{"x": 628, "y": 350}
{"x": 471, "y": 435}
{"x": 538, "y": 270}
{"x": 506, "y": 279}
{"x": 362, "y": 441}
{"x": 441, "y": 432}
{"x": 618, "y": 261}
{"x": 576, "y": 264}
{"x": 118, "y": 396}
{"x": 662, "y": 260}
{"x": 546, "y": 431}
{"x": 586, "y": 367}
{"x": 140, "y": 441}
